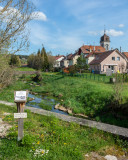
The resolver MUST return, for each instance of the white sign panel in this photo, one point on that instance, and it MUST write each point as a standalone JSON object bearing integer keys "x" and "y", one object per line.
{"x": 20, "y": 115}
{"x": 20, "y": 96}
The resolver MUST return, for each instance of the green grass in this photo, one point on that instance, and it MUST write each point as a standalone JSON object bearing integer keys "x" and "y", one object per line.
{"x": 65, "y": 141}
{"x": 24, "y": 69}
{"x": 85, "y": 96}
{"x": 45, "y": 106}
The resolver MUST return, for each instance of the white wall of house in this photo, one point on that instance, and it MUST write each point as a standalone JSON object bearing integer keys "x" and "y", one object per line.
{"x": 57, "y": 62}
{"x": 90, "y": 58}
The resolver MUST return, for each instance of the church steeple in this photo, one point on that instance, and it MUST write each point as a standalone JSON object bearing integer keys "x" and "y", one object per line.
{"x": 105, "y": 40}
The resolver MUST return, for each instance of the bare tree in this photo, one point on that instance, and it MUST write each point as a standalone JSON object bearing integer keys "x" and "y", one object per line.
{"x": 14, "y": 15}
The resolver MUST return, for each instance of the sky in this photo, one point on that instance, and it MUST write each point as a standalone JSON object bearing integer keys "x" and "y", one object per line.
{"x": 63, "y": 26}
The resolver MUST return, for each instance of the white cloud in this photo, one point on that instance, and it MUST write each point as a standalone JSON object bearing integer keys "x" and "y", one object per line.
{"x": 121, "y": 25}
{"x": 9, "y": 13}
{"x": 114, "y": 33}
{"x": 39, "y": 16}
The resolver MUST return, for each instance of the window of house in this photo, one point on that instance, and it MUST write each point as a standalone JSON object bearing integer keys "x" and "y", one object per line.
{"x": 118, "y": 58}
{"x": 113, "y": 58}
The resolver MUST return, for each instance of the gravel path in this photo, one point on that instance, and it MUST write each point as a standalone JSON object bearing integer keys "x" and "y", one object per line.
{"x": 84, "y": 122}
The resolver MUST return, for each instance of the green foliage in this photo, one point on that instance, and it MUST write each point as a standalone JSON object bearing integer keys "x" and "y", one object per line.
{"x": 81, "y": 64}
{"x": 37, "y": 78}
{"x": 6, "y": 72}
{"x": 44, "y": 57}
{"x": 45, "y": 106}
{"x": 28, "y": 140}
{"x": 15, "y": 61}
{"x": 41, "y": 61}
{"x": 72, "y": 69}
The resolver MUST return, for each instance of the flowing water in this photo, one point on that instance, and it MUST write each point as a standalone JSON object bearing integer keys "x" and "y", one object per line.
{"x": 46, "y": 100}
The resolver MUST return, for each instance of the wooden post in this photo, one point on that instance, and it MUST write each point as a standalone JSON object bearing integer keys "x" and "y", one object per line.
{"x": 20, "y": 100}
{"x": 20, "y": 109}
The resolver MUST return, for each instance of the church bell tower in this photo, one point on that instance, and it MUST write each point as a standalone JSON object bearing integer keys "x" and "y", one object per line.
{"x": 105, "y": 41}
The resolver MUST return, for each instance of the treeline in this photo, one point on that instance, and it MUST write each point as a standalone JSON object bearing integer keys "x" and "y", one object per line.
{"x": 41, "y": 61}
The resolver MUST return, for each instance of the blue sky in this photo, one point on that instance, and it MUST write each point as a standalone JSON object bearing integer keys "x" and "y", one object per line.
{"x": 65, "y": 25}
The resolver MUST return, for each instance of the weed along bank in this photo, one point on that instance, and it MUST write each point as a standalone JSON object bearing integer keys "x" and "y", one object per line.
{"x": 20, "y": 98}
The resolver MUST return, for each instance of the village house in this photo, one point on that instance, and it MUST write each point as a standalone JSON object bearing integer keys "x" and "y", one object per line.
{"x": 87, "y": 51}
{"x": 65, "y": 61}
{"x": 58, "y": 59}
{"x": 112, "y": 59}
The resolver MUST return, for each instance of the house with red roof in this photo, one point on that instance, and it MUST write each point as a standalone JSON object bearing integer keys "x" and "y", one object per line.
{"x": 58, "y": 59}
{"x": 87, "y": 51}
{"x": 65, "y": 61}
{"x": 112, "y": 59}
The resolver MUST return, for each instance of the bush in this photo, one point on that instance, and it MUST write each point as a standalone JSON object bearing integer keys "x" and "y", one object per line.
{"x": 15, "y": 61}
{"x": 38, "y": 77}
{"x": 6, "y": 72}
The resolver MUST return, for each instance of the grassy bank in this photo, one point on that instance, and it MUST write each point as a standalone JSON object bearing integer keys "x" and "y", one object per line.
{"x": 55, "y": 139}
{"x": 84, "y": 96}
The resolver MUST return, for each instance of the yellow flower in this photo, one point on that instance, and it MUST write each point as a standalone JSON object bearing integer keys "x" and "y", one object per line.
{"x": 38, "y": 142}
{"x": 16, "y": 126}
{"x": 42, "y": 152}
{"x": 65, "y": 143}
{"x": 33, "y": 149}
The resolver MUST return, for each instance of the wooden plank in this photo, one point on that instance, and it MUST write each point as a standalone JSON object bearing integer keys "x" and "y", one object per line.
{"x": 20, "y": 109}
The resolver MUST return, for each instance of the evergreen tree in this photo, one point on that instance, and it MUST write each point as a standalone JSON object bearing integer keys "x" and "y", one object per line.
{"x": 44, "y": 57}
{"x": 38, "y": 53}
{"x": 81, "y": 63}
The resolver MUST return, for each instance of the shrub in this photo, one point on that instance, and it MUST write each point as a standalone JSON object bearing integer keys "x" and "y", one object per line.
{"x": 38, "y": 77}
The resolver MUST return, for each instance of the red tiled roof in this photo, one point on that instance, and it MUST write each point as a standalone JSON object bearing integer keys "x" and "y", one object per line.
{"x": 126, "y": 54}
{"x": 88, "y": 48}
{"x": 57, "y": 57}
{"x": 93, "y": 53}
{"x": 101, "y": 57}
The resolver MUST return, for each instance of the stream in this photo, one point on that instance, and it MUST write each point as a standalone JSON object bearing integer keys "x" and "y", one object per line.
{"x": 37, "y": 99}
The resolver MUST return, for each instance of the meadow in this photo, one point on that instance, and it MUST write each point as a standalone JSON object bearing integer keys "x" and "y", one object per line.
{"x": 86, "y": 96}
{"x": 49, "y": 138}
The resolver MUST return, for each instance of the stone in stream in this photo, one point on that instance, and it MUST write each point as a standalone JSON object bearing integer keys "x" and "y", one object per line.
{"x": 81, "y": 115}
{"x": 57, "y": 106}
{"x": 69, "y": 111}
{"x": 62, "y": 108}
{"x": 31, "y": 99}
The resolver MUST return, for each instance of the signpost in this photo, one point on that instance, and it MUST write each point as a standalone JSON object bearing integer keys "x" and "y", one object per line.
{"x": 20, "y": 98}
